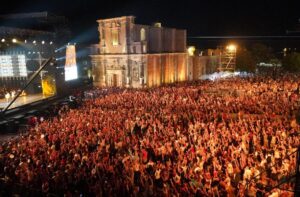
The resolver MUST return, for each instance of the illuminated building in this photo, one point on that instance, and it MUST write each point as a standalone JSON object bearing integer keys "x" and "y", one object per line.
{"x": 200, "y": 63}
{"x": 134, "y": 55}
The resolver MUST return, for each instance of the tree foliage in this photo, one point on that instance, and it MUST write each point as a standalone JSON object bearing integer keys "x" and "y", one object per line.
{"x": 292, "y": 62}
{"x": 248, "y": 58}
{"x": 262, "y": 53}
{"x": 245, "y": 61}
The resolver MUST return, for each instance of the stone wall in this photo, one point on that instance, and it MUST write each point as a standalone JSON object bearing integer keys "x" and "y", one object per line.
{"x": 166, "y": 68}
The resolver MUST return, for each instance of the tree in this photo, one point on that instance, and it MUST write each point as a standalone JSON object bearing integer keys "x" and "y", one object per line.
{"x": 262, "y": 53}
{"x": 248, "y": 59}
{"x": 245, "y": 60}
{"x": 292, "y": 62}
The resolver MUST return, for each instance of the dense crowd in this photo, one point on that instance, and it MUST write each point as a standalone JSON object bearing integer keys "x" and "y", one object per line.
{"x": 234, "y": 137}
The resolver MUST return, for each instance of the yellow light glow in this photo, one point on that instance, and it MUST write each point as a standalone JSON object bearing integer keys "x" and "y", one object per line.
{"x": 231, "y": 47}
{"x": 3, "y": 40}
{"x": 14, "y": 40}
{"x": 115, "y": 37}
{"x": 191, "y": 50}
{"x": 48, "y": 85}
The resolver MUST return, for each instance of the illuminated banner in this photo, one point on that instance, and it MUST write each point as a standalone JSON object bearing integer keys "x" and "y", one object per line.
{"x": 13, "y": 66}
{"x": 71, "y": 66}
{"x": 6, "y": 67}
{"x": 22, "y": 66}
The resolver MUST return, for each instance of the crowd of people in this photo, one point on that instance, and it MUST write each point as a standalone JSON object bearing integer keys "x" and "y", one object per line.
{"x": 231, "y": 137}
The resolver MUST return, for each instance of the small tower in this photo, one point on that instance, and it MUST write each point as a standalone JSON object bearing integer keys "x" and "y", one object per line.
{"x": 228, "y": 58}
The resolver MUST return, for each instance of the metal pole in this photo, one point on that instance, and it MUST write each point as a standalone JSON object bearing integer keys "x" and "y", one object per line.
{"x": 297, "y": 184}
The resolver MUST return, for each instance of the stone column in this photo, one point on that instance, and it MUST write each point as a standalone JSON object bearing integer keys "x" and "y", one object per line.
{"x": 145, "y": 72}
{"x": 128, "y": 72}
{"x": 103, "y": 64}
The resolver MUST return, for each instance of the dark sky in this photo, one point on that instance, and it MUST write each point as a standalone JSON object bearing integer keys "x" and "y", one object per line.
{"x": 199, "y": 17}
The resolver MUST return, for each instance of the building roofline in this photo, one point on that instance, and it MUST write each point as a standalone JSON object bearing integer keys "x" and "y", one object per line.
{"x": 115, "y": 18}
{"x": 131, "y": 16}
{"x": 138, "y": 54}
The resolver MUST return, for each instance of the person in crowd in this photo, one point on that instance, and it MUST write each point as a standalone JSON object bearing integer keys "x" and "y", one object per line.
{"x": 230, "y": 137}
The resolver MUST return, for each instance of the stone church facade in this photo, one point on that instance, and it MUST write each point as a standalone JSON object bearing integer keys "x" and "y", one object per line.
{"x": 134, "y": 55}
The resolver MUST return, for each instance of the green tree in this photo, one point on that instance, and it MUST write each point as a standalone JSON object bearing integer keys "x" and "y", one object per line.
{"x": 245, "y": 60}
{"x": 291, "y": 62}
{"x": 262, "y": 53}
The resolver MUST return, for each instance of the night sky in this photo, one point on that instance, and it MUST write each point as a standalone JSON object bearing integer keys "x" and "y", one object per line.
{"x": 200, "y": 18}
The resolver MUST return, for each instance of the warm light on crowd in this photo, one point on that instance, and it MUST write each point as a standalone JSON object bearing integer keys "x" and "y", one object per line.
{"x": 230, "y": 137}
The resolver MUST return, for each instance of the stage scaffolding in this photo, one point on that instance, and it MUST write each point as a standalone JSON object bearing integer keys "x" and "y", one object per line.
{"x": 228, "y": 58}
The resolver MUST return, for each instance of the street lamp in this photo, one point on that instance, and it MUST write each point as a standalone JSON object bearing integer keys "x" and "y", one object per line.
{"x": 191, "y": 50}
{"x": 231, "y": 48}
